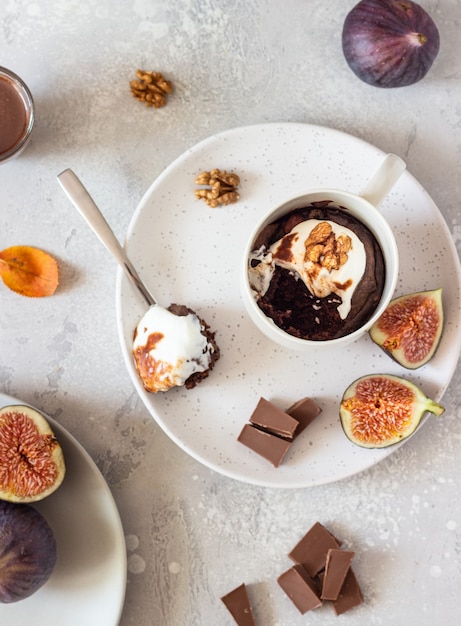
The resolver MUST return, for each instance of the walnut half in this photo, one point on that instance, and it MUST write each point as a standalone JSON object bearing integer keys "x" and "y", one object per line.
{"x": 151, "y": 88}
{"x": 324, "y": 248}
{"x": 220, "y": 187}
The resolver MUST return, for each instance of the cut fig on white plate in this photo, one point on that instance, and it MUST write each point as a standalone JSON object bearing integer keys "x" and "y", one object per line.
{"x": 410, "y": 328}
{"x": 380, "y": 410}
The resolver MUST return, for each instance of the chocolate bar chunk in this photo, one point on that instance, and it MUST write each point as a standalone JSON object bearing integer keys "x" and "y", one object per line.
{"x": 337, "y": 565}
{"x": 311, "y": 551}
{"x": 238, "y": 605}
{"x": 304, "y": 411}
{"x": 269, "y": 417}
{"x": 300, "y": 588}
{"x": 349, "y": 596}
{"x": 269, "y": 446}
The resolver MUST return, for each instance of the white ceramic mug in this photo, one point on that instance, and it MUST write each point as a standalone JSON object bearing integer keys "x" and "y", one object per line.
{"x": 364, "y": 207}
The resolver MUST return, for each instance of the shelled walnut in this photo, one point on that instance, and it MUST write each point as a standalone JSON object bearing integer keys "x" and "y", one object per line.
{"x": 323, "y": 247}
{"x": 151, "y": 88}
{"x": 221, "y": 187}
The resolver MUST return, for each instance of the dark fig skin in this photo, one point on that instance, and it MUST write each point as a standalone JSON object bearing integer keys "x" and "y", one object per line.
{"x": 390, "y": 43}
{"x": 27, "y": 551}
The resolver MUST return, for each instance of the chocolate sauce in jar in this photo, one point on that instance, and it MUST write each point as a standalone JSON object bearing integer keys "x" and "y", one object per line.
{"x": 16, "y": 114}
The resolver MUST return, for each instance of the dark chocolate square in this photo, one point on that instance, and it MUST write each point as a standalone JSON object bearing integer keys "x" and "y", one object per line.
{"x": 238, "y": 605}
{"x": 265, "y": 444}
{"x": 304, "y": 412}
{"x": 269, "y": 417}
{"x": 300, "y": 588}
{"x": 311, "y": 551}
{"x": 337, "y": 565}
{"x": 350, "y": 595}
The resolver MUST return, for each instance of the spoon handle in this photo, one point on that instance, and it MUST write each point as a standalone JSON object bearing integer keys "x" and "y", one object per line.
{"x": 87, "y": 208}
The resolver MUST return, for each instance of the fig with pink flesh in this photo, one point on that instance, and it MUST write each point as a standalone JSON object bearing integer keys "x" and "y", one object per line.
{"x": 390, "y": 43}
{"x": 410, "y": 328}
{"x": 380, "y": 410}
{"x": 31, "y": 458}
{"x": 27, "y": 551}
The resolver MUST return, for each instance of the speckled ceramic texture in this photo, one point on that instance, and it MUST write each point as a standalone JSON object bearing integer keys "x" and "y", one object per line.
{"x": 191, "y": 254}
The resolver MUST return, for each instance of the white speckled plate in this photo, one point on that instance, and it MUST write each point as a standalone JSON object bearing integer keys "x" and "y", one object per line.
{"x": 88, "y": 583}
{"x": 191, "y": 254}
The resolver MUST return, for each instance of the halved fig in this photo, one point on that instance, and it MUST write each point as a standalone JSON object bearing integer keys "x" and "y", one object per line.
{"x": 379, "y": 410}
{"x": 410, "y": 328}
{"x": 31, "y": 458}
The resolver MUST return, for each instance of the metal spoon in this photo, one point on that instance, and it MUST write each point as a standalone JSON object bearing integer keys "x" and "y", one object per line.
{"x": 87, "y": 208}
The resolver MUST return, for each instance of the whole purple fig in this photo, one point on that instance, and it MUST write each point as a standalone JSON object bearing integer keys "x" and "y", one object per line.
{"x": 27, "y": 551}
{"x": 389, "y": 43}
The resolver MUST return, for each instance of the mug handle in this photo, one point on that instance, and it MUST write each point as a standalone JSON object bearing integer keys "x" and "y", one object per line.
{"x": 382, "y": 181}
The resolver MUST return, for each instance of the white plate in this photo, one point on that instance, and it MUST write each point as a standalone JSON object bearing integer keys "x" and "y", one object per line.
{"x": 191, "y": 254}
{"x": 88, "y": 583}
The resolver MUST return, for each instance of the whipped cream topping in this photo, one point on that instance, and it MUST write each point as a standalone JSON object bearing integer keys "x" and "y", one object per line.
{"x": 169, "y": 348}
{"x": 295, "y": 251}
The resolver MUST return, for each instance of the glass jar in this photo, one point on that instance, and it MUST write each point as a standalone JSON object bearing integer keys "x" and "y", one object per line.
{"x": 17, "y": 115}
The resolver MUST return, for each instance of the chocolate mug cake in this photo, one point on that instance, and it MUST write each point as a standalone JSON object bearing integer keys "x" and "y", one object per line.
{"x": 318, "y": 272}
